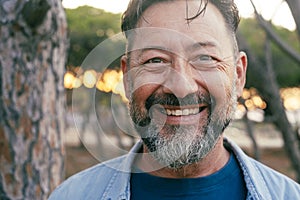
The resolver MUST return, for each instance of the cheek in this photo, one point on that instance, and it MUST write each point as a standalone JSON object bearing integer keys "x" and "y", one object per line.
{"x": 218, "y": 83}
{"x": 142, "y": 93}
{"x": 144, "y": 78}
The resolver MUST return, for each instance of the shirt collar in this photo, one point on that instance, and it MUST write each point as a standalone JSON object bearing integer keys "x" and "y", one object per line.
{"x": 119, "y": 185}
{"x": 255, "y": 183}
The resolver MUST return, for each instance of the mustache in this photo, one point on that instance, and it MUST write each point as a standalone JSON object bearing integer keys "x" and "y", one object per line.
{"x": 172, "y": 100}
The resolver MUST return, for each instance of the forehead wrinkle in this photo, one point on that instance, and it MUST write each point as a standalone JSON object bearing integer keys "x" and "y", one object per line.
{"x": 141, "y": 50}
{"x": 189, "y": 48}
{"x": 203, "y": 45}
{"x": 194, "y": 46}
{"x": 155, "y": 47}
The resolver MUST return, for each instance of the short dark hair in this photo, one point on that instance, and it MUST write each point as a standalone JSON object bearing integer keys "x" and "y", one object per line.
{"x": 137, "y": 7}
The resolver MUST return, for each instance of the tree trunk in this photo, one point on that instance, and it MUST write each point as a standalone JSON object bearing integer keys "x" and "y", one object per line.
{"x": 250, "y": 131}
{"x": 281, "y": 120}
{"x": 33, "y": 43}
{"x": 270, "y": 93}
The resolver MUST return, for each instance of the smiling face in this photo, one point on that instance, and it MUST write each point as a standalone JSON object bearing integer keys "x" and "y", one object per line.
{"x": 183, "y": 81}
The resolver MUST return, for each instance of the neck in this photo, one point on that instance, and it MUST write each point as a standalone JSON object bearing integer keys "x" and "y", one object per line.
{"x": 212, "y": 163}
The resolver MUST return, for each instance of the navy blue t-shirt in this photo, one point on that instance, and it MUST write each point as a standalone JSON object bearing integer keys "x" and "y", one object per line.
{"x": 227, "y": 183}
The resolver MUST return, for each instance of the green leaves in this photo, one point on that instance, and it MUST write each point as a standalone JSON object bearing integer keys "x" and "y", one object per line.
{"x": 88, "y": 27}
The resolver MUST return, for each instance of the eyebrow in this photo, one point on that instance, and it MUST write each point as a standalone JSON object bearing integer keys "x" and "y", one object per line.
{"x": 155, "y": 48}
{"x": 192, "y": 47}
{"x": 149, "y": 48}
{"x": 199, "y": 45}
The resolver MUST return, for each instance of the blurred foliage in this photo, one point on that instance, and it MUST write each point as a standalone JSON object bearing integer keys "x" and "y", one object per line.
{"x": 89, "y": 26}
{"x": 287, "y": 71}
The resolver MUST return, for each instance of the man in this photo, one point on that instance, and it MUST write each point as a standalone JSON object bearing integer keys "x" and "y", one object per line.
{"x": 183, "y": 75}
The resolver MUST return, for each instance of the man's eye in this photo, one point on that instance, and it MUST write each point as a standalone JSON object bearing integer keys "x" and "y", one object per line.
{"x": 204, "y": 62}
{"x": 155, "y": 60}
{"x": 206, "y": 58}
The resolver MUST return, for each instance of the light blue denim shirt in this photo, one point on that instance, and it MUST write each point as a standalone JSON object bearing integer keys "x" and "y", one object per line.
{"x": 111, "y": 180}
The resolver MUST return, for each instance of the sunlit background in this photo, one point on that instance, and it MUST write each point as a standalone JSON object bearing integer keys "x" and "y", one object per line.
{"x": 111, "y": 81}
{"x": 277, "y": 10}
{"x": 108, "y": 81}
{"x": 107, "y": 87}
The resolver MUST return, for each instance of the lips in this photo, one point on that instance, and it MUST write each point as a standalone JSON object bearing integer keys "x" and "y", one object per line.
{"x": 168, "y": 109}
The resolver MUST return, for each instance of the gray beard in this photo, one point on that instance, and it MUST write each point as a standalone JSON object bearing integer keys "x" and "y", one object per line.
{"x": 185, "y": 145}
{"x": 182, "y": 145}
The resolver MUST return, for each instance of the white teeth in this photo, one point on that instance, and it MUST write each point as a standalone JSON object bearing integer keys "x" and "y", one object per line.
{"x": 178, "y": 112}
{"x": 169, "y": 112}
{"x": 184, "y": 112}
{"x": 195, "y": 111}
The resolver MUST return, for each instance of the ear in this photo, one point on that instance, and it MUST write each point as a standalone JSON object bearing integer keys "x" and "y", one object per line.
{"x": 241, "y": 69}
{"x": 124, "y": 67}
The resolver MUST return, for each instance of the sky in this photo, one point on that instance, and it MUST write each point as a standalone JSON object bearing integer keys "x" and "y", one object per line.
{"x": 277, "y": 10}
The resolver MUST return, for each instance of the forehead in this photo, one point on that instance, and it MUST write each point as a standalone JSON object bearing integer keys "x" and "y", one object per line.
{"x": 166, "y": 24}
{"x": 168, "y": 13}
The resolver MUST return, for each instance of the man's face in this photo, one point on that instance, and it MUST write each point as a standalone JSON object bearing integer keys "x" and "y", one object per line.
{"x": 183, "y": 81}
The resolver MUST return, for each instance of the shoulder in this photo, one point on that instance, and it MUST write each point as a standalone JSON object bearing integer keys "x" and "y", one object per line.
{"x": 90, "y": 182}
{"x": 279, "y": 185}
{"x": 102, "y": 180}
{"x": 262, "y": 181}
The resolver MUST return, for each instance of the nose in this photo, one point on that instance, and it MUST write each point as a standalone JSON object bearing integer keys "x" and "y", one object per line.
{"x": 180, "y": 80}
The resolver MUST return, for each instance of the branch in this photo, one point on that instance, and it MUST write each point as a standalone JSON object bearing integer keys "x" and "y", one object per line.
{"x": 295, "y": 10}
{"x": 275, "y": 37}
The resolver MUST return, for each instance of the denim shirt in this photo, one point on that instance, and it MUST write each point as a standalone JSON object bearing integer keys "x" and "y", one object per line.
{"x": 110, "y": 180}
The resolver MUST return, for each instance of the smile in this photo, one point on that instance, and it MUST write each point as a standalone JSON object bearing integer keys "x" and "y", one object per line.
{"x": 182, "y": 112}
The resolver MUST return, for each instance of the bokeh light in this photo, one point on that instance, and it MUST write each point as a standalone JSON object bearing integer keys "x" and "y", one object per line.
{"x": 111, "y": 81}
{"x": 89, "y": 78}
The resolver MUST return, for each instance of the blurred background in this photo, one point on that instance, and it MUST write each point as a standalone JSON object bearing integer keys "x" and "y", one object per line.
{"x": 254, "y": 127}
{"x": 62, "y": 111}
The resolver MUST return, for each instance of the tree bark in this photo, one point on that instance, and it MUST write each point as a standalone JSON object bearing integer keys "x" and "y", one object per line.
{"x": 33, "y": 43}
